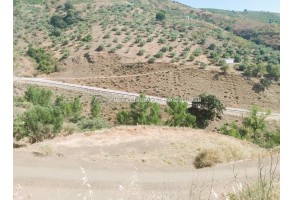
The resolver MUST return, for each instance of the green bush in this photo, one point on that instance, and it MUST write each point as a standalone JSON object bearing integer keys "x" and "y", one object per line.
{"x": 88, "y": 38}
{"x": 142, "y": 112}
{"x": 203, "y": 65}
{"x": 95, "y": 107}
{"x": 46, "y": 62}
{"x": 159, "y": 54}
{"x": 38, "y": 123}
{"x": 141, "y": 52}
{"x": 119, "y": 46}
{"x": 152, "y": 60}
{"x": 160, "y": 16}
{"x": 178, "y": 112}
{"x": 124, "y": 117}
{"x": 254, "y": 129}
{"x": 100, "y": 48}
{"x": 112, "y": 50}
{"x": 92, "y": 124}
{"x": 197, "y": 52}
{"x": 162, "y": 41}
{"x": 225, "y": 68}
{"x": 209, "y": 108}
{"x": 191, "y": 58}
{"x": 212, "y": 47}
{"x": 38, "y": 96}
{"x": 265, "y": 83}
{"x": 273, "y": 71}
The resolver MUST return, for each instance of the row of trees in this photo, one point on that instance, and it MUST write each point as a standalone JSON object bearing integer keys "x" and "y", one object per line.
{"x": 145, "y": 112}
{"x": 45, "y": 118}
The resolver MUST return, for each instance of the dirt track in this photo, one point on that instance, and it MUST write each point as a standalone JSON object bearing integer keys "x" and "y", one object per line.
{"x": 130, "y": 163}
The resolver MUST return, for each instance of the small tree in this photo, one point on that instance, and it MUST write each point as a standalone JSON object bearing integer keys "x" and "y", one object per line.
{"x": 160, "y": 16}
{"x": 76, "y": 108}
{"x": 225, "y": 68}
{"x": 38, "y": 123}
{"x": 254, "y": 121}
{"x": 265, "y": 83}
{"x": 142, "y": 111}
{"x": 209, "y": 108}
{"x": 124, "y": 117}
{"x": 179, "y": 116}
{"x": 38, "y": 96}
{"x": 95, "y": 107}
{"x": 145, "y": 112}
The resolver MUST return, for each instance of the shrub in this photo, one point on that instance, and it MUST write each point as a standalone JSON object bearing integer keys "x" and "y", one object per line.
{"x": 38, "y": 96}
{"x": 206, "y": 158}
{"x": 233, "y": 130}
{"x": 179, "y": 116}
{"x": 57, "y": 21}
{"x": 209, "y": 108}
{"x": 112, "y": 50}
{"x": 225, "y": 68}
{"x": 203, "y": 65}
{"x": 142, "y": 43}
{"x": 212, "y": 47}
{"x": 115, "y": 40}
{"x": 119, "y": 46}
{"x": 95, "y": 107}
{"x": 70, "y": 128}
{"x": 172, "y": 54}
{"x": 107, "y": 35}
{"x": 142, "y": 112}
{"x": 100, "y": 48}
{"x": 47, "y": 63}
{"x": 191, "y": 58}
{"x": 265, "y": 83}
{"x": 254, "y": 129}
{"x": 150, "y": 39}
{"x": 242, "y": 66}
{"x": 255, "y": 122}
{"x": 184, "y": 54}
{"x": 152, "y": 60}
{"x": 202, "y": 41}
{"x": 38, "y": 123}
{"x": 124, "y": 117}
{"x": 159, "y": 54}
{"x": 88, "y": 38}
{"x": 237, "y": 58}
{"x": 197, "y": 52}
{"x": 164, "y": 49}
{"x": 273, "y": 71}
{"x": 160, "y": 16}
{"x": 92, "y": 124}
{"x": 141, "y": 52}
{"x": 162, "y": 41}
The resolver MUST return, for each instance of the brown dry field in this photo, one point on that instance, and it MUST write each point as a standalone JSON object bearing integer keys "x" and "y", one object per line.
{"x": 167, "y": 80}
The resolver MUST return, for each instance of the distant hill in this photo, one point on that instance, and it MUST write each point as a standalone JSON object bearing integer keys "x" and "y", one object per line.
{"x": 129, "y": 28}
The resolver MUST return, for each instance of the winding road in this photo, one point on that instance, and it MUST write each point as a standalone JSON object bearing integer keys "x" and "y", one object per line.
{"x": 120, "y": 94}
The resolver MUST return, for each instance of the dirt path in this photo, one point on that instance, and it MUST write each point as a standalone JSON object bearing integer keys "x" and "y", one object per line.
{"x": 54, "y": 181}
{"x": 133, "y": 163}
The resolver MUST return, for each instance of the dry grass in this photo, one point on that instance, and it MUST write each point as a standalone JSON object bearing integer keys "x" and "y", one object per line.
{"x": 207, "y": 158}
{"x": 267, "y": 186}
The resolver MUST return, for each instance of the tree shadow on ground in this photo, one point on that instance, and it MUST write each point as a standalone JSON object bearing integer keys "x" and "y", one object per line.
{"x": 257, "y": 88}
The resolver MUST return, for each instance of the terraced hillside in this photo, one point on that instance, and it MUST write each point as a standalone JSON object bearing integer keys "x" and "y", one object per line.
{"x": 84, "y": 40}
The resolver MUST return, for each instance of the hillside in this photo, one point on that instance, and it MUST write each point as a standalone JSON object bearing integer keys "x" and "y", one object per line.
{"x": 91, "y": 39}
